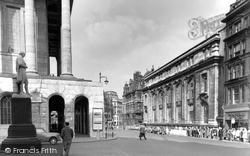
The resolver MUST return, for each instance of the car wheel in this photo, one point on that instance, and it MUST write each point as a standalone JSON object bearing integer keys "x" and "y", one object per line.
{"x": 53, "y": 141}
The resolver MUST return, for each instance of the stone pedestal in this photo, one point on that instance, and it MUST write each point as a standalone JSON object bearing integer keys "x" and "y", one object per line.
{"x": 21, "y": 133}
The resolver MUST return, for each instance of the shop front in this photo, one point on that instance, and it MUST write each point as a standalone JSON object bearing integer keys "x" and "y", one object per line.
{"x": 237, "y": 119}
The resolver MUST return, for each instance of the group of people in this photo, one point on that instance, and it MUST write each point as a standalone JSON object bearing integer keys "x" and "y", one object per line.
{"x": 241, "y": 134}
{"x": 235, "y": 134}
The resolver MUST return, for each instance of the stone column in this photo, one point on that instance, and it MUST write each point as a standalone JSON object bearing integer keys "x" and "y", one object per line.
{"x": 150, "y": 111}
{"x": 30, "y": 38}
{"x": 66, "y": 56}
{"x": 173, "y": 103}
{"x": 184, "y": 100}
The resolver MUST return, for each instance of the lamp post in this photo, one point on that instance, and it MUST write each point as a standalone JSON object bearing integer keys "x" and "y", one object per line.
{"x": 106, "y": 82}
{"x": 106, "y": 79}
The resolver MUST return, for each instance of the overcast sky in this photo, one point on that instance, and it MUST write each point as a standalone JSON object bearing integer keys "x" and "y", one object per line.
{"x": 119, "y": 37}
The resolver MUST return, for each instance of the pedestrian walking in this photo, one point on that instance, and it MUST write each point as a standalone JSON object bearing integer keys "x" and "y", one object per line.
{"x": 248, "y": 134}
{"x": 142, "y": 131}
{"x": 234, "y": 133}
{"x": 67, "y": 135}
{"x": 237, "y": 134}
{"x": 244, "y": 135}
{"x": 241, "y": 134}
{"x": 220, "y": 133}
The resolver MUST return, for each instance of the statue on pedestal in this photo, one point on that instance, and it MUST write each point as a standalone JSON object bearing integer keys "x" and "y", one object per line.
{"x": 21, "y": 74}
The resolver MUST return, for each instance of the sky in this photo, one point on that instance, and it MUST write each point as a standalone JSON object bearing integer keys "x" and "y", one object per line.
{"x": 119, "y": 37}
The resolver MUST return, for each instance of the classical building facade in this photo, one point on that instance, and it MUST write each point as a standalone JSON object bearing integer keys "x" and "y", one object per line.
{"x": 186, "y": 91}
{"x": 132, "y": 98}
{"x": 42, "y": 29}
{"x": 237, "y": 65}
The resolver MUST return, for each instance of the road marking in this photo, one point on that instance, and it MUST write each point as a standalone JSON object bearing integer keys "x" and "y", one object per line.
{"x": 119, "y": 150}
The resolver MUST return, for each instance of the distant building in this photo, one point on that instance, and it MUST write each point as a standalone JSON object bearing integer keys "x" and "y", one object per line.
{"x": 117, "y": 109}
{"x": 110, "y": 98}
{"x": 237, "y": 65}
{"x": 132, "y": 98}
{"x": 186, "y": 91}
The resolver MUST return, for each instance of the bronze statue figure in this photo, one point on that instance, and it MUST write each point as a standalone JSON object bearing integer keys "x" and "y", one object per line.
{"x": 21, "y": 74}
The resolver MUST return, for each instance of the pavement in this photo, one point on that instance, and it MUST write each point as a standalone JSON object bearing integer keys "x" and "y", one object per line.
{"x": 83, "y": 139}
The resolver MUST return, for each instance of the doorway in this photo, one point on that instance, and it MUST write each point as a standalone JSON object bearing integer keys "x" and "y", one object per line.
{"x": 82, "y": 116}
{"x": 56, "y": 113}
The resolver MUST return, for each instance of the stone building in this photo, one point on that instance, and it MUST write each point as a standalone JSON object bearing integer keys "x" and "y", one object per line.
{"x": 110, "y": 99}
{"x": 132, "y": 98}
{"x": 237, "y": 65}
{"x": 117, "y": 112}
{"x": 42, "y": 29}
{"x": 185, "y": 91}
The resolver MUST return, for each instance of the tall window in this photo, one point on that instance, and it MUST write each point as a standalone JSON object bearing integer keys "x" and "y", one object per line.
{"x": 237, "y": 49}
{"x": 230, "y": 31}
{"x": 6, "y": 110}
{"x": 13, "y": 29}
{"x": 13, "y": 23}
{"x": 243, "y": 46}
{"x": 237, "y": 27}
{"x": 230, "y": 52}
{"x": 236, "y": 98}
{"x": 242, "y": 88}
{"x": 237, "y": 68}
{"x": 243, "y": 68}
{"x": 234, "y": 72}
{"x": 229, "y": 95}
{"x": 230, "y": 73}
{"x": 178, "y": 93}
{"x": 245, "y": 22}
{"x": 204, "y": 82}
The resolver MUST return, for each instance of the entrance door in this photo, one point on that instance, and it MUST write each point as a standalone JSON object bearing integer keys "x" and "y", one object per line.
{"x": 81, "y": 116}
{"x": 56, "y": 113}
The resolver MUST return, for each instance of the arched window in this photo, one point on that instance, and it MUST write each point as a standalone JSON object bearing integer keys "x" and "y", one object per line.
{"x": 6, "y": 110}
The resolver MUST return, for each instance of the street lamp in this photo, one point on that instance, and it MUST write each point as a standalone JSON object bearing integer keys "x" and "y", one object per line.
{"x": 106, "y": 79}
{"x": 106, "y": 82}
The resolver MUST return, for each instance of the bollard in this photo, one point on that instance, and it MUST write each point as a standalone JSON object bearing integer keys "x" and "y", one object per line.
{"x": 98, "y": 135}
{"x": 106, "y": 133}
{"x": 112, "y": 134}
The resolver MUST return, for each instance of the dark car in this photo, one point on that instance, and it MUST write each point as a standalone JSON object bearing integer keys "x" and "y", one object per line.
{"x": 50, "y": 137}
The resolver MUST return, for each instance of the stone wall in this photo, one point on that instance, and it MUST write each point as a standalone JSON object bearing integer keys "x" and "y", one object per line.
{"x": 68, "y": 89}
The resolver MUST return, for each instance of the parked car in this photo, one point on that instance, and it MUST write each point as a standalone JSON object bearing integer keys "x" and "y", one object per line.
{"x": 148, "y": 129}
{"x": 137, "y": 127}
{"x": 156, "y": 130}
{"x": 50, "y": 137}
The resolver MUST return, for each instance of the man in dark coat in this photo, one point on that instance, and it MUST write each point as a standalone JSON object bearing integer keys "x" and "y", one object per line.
{"x": 220, "y": 133}
{"x": 142, "y": 131}
{"x": 67, "y": 135}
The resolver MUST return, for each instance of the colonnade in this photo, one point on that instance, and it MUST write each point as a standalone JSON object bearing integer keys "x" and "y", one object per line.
{"x": 175, "y": 102}
{"x": 31, "y": 55}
